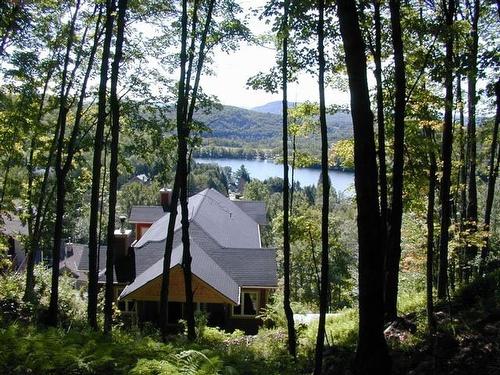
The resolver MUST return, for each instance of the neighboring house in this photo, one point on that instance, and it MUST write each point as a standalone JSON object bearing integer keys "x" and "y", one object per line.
{"x": 140, "y": 178}
{"x": 13, "y": 230}
{"x": 232, "y": 274}
{"x": 71, "y": 255}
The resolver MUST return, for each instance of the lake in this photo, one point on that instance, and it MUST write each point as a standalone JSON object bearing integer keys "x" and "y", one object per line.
{"x": 261, "y": 169}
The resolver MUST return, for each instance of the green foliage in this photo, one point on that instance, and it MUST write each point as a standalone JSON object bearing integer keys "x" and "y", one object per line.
{"x": 342, "y": 154}
{"x": 13, "y": 308}
{"x": 153, "y": 367}
{"x": 136, "y": 193}
{"x": 27, "y": 349}
{"x": 256, "y": 190}
{"x": 204, "y": 176}
{"x": 5, "y": 262}
{"x": 483, "y": 290}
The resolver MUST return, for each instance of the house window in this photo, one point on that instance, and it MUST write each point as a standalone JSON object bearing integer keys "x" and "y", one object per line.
{"x": 249, "y": 304}
{"x": 126, "y": 306}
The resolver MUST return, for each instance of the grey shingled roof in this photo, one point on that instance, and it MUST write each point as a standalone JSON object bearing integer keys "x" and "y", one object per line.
{"x": 72, "y": 262}
{"x": 84, "y": 259}
{"x": 13, "y": 225}
{"x": 255, "y": 209}
{"x": 145, "y": 214}
{"x": 218, "y": 216}
{"x": 202, "y": 266}
{"x": 247, "y": 266}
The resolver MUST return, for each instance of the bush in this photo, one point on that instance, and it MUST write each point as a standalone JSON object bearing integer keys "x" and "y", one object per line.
{"x": 483, "y": 289}
{"x": 72, "y": 303}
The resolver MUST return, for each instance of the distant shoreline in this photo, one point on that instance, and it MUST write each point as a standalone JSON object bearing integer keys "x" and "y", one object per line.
{"x": 270, "y": 159}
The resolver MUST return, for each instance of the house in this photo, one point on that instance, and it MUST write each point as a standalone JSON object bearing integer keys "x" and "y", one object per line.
{"x": 70, "y": 253}
{"x": 140, "y": 178}
{"x": 232, "y": 273}
{"x": 12, "y": 229}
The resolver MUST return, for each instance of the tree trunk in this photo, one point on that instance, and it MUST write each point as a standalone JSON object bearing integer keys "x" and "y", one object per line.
{"x": 462, "y": 175}
{"x": 292, "y": 180}
{"x": 394, "y": 243}
{"x": 186, "y": 253}
{"x": 447, "y": 143}
{"x": 323, "y": 297}
{"x": 492, "y": 177}
{"x": 431, "y": 322}
{"x": 189, "y": 107}
{"x": 175, "y": 190}
{"x": 52, "y": 314}
{"x": 292, "y": 345}
{"x": 113, "y": 165}
{"x": 96, "y": 168}
{"x": 471, "y": 134}
{"x": 380, "y": 120}
{"x": 34, "y": 227}
{"x": 371, "y": 354}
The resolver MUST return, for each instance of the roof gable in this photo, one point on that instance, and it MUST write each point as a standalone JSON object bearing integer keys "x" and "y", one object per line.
{"x": 202, "y": 266}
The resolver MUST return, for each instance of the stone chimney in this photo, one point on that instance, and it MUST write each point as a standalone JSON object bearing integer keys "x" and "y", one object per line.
{"x": 165, "y": 198}
{"x": 123, "y": 255}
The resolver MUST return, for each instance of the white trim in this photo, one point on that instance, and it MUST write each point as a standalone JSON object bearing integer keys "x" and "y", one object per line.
{"x": 258, "y": 287}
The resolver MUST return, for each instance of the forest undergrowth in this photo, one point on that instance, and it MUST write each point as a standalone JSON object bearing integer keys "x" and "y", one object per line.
{"x": 467, "y": 340}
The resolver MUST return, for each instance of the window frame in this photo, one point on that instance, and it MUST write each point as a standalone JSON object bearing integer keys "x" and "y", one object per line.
{"x": 242, "y": 305}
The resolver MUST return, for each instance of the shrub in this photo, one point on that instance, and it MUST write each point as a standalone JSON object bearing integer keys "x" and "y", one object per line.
{"x": 72, "y": 304}
{"x": 154, "y": 367}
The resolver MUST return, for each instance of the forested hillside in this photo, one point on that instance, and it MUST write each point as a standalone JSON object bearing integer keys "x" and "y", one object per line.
{"x": 239, "y": 127}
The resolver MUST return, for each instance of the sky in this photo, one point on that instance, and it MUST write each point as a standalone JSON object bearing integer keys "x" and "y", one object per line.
{"x": 233, "y": 70}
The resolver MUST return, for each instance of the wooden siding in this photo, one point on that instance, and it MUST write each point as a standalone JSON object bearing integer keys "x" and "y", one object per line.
{"x": 140, "y": 229}
{"x": 201, "y": 290}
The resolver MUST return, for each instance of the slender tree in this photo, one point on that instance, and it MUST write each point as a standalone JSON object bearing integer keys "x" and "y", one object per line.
{"x": 35, "y": 216}
{"x": 96, "y": 166}
{"x": 371, "y": 355}
{"x": 446, "y": 149}
{"x": 183, "y": 164}
{"x": 431, "y": 322}
{"x": 113, "y": 163}
{"x": 492, "y": 177}
{"x": 472, "y": 98}
{"x": 286, "y": 189}
{"x": 323, "y": 298}
{"x": 377, "y": 57}
{"x": 462, "y": 174}
{"x": 175, "y": 190}
{"x": 60, "y": 170}
{"x": 396, "y": 216}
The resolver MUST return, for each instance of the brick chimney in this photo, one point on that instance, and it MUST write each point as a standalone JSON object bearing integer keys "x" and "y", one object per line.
{"x": 165, "y": 198}
{"x": 123, "y": 256}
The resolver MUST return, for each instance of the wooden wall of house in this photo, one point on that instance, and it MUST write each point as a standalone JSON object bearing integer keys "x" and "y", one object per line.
{"x": 140, "y": 229}
{"x": 202, "y": 291}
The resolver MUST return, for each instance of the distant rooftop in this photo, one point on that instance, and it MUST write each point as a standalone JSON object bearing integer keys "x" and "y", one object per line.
{"x": 145, "y": 214}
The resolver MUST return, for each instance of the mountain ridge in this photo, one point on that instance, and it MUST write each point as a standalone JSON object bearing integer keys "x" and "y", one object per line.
{"x": 261, "y": 128}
